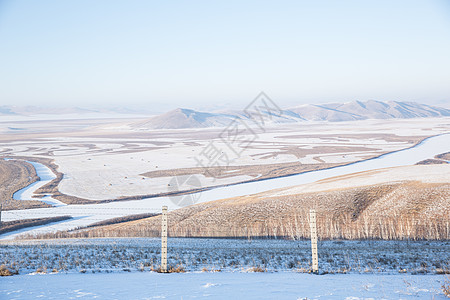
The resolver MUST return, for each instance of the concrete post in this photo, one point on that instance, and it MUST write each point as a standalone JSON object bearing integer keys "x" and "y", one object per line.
{"x": 164, "y": 240}
{"x": 313, "y": 226}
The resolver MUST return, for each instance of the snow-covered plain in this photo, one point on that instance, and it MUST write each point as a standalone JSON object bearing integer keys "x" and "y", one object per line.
{"x": 221, "y": 286}
{"x": 88, "y": 214}
{"x": 373, "y": 266}
{"x": 106, "y": 162}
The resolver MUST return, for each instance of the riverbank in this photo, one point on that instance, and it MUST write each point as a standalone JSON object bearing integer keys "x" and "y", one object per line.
{"x": 88, "y": 214}
{"x": 16, "y": 175}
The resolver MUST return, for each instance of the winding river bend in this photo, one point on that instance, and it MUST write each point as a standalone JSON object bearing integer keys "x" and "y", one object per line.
{"x": 88, "y": 214}
{"x": 45, "y": 176}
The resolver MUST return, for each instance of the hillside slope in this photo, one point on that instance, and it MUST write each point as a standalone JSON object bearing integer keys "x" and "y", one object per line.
{"x": 332, "y": 112}
{"x": 394, "y": 208}
{"x": 185, "y": 118}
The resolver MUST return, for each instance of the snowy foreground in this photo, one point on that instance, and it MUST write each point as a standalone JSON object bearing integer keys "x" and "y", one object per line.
{"x": 282, "y": 285}
{"x": 222, "y": 269}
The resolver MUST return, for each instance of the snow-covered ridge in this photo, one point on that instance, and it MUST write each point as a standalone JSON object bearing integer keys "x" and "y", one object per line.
{"x": 188, "y": 118}
{"x": 333, "y": 112}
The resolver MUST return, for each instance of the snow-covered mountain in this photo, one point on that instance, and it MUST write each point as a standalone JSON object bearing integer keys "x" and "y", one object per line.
{"x": 188, "y": 118}
{"x": 358, "y": 110}
{"x": 333, "y": 112}
{"x": 185, "y": 118}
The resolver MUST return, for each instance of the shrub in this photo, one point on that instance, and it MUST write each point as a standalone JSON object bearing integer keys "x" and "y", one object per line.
{"x": 5, "y": 271}
{"x": 177, "y": 269}
{"x": 256, "y": 269}
{"x": 446, "y": 287}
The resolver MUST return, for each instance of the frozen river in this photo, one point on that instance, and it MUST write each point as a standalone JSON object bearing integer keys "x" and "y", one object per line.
{"x": 88, "y": 214}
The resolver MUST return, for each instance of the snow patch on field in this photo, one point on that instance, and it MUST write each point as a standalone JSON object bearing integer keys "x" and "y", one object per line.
{"x": 422, "y": 173}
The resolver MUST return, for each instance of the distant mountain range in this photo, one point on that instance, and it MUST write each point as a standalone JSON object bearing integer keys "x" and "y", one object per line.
{"x": 188, "y": 118}
{"x": 40, "y": 110}
{"x": 332, "y": 112}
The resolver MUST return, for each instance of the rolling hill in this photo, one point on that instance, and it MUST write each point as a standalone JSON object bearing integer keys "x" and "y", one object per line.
{"x": 379, "y": 204}
{"x": 332, "y": 112}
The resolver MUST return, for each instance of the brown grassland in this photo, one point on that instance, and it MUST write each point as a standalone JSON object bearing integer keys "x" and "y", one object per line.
{"x": 444, "y": 156}
{"x": 52, "y": 187}
{"x": 20, "y": 224}
{"x": 431, "y": 161}
{"x": 405, "y": 210}
{"x": 15, "y": 175}
{"x": 259, "y": 171}
{"x": 255, "y": 171}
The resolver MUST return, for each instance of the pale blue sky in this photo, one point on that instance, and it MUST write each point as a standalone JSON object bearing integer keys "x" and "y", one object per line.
{"x": 207, "y": 53}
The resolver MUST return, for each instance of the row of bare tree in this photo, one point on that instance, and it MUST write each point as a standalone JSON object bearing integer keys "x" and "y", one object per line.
{"x": 344, "y": 227}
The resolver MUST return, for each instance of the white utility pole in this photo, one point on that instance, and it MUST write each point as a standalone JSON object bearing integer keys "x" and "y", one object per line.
{"x": 313, "y": 226}
{"x": 164, "y": 240}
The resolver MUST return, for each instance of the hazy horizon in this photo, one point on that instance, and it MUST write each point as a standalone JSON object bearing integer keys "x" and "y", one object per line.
{"x": 146, "y": 109}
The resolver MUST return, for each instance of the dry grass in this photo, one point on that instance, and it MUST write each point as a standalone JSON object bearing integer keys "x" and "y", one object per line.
{"x": 15, "y": 175}
{"x": 431, "y": 162}
{"x": 266, "y": 171}
{"x": 408, "y": 210}
{"x": 19, "y": 224}
{"x": 18, "y": 174}
{"x": 259, "y": 171}
{"x": 301, "y": 151}
{"x": 7, "y": 271}
{"x": 388, "y": 137}
{"x": 52, "y": 187}
{"x": 122, "y": 219}
{"x": 444, "y": 156}
{"x": 170, "y": 269}
{"x": 446, "y": 286}
{"x": 257, "y": 269}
